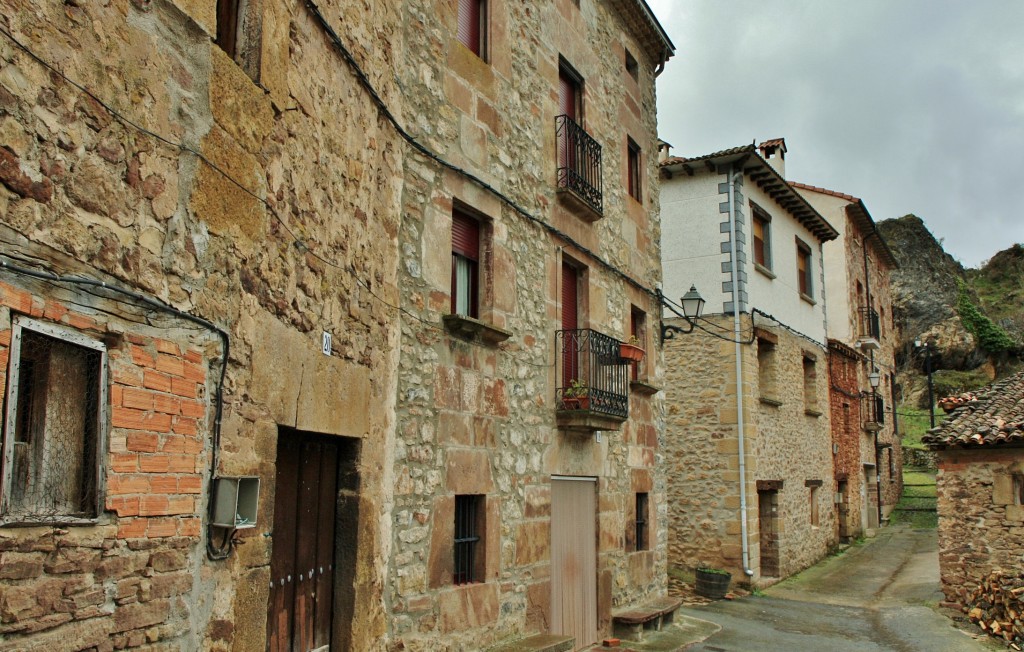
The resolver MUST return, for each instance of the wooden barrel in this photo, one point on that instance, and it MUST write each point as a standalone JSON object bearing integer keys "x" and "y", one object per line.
{"x": 712, "y": 585}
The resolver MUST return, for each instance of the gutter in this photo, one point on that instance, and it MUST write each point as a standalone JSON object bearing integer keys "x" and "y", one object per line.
{"x": 737, "y": 338}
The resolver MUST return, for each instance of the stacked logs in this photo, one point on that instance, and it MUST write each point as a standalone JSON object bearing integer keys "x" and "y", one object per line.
{"x": 997, "y": 607}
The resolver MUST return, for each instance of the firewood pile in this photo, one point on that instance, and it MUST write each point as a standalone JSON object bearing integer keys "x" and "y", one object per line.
{"x": 997, "y": 607}
{"x": 950, "y": 403}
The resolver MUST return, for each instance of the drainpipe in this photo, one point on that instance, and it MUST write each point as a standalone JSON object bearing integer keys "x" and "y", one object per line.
{"x": 737, "y": 338}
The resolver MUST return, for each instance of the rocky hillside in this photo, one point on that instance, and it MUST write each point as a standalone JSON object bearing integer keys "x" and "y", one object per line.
{"x": 973, "y": 318}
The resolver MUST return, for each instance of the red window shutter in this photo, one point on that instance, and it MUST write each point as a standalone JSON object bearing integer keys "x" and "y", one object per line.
{"x": 469, "y": 24}
{"x": 465, "y": 236}
{"x": 570, "y": 313}
{"x": 567, "y": 95}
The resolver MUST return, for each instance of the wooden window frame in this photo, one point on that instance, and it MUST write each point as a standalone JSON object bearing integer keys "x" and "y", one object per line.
{"x": 575, "y": 79}
{"x": 93, "y": 433}
{"x": 815, "y": 509}
{"x": 805, "y": 269}
{"x": 634, "y": 180}
{"x": 465, "y": 255}
{"x": 761, "y": 244}
{"x": 638, "y": 329}
{"x": 468, "y": 539}
{"x": 478, "y": 43}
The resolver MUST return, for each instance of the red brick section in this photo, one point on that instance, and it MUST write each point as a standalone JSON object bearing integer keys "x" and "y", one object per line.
{"x": 157, "y": 437}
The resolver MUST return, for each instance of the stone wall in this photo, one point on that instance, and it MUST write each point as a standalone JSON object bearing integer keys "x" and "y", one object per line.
{"x": 981, "y": 521}
{"x": 477, "y": 416}
{"x": 847, "y": 432}
{"x": 788, "y": 445}
{"x": 268, "y": 205}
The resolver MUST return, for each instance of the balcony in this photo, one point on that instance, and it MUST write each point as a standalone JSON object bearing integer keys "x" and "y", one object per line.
{"x": 594, "y": 391}
{"x": 579, "y": 168}
{"x": 872, "y": 408}
{"x": 869, "y": 329}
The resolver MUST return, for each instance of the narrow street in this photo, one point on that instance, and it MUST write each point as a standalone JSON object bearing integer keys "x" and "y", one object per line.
{"x": 877, "y": 596}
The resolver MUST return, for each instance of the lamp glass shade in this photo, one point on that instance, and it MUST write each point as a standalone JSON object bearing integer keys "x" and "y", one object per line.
{"x": 874, "y": 378}
{"x": 693, "y": 303}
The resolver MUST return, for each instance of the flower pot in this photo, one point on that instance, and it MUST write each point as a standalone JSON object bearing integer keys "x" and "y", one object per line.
{"x": 712, "y": 584}
{"x": 631, "y": 352}
{"x": 575, "y": 402}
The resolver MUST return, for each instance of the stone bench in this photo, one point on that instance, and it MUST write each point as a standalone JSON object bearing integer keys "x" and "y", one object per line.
{"x": 631, "y": 623}
{"x": 540, "y": 643}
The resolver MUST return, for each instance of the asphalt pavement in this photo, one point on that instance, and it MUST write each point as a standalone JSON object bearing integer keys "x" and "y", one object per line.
{"x": 878, "y": 596}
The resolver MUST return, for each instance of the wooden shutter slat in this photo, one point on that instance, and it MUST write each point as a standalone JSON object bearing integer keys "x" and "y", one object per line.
{"x": 469, "y": 24}
{"x": 570, "y": 315}
{"x": 465, "y": 236}
{"x": 567, "y": 95}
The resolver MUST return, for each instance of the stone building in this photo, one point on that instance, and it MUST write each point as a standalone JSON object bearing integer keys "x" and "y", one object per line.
{"x": 862, "y": 341}
{"x": 251, "y": 378}
{"x": 747, "y": 433}
{"x": 525, "y": 444}
{"x": 980, "y": 484}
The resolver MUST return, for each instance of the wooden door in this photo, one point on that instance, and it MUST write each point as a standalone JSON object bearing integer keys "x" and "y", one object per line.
{"x": 768, "y": 523}
{"x": 302, "y": 562}
{"x": 574, "y": 559}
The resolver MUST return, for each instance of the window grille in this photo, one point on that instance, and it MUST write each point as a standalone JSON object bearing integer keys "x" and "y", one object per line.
{"x": 53, "y": 425}
{"x": 642, "y": 535}
{"x": 467, "y": 536}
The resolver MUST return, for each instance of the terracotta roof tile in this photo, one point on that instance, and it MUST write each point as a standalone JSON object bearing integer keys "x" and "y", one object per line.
{"x": 825, "y": 191}
{"x": 994, "y": 418}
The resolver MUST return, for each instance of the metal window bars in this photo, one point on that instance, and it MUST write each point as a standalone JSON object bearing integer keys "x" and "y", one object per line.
{"x": 466, "y": 539}
{"x": 594, "y": 377}
{"x": 579, "y": 162}
{"x": 870, "y": 326}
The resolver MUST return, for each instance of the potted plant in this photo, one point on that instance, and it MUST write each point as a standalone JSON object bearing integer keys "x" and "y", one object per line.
{"x": 631, "y": 351}
{"x": 712, "y": 582}
{"x": 576, "y": 396}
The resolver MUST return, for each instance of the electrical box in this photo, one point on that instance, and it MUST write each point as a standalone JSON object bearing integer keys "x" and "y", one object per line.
{"x": 838, "y": 498}
{"x": 235, "y": 501}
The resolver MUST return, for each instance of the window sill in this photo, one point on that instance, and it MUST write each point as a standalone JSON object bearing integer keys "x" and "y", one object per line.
{"x": 475, "y": 330}
{"x": 764, "y": 270}
{"x": 811, "y": 412}
{"x": 643, "y": 388}
{"x": 808, "y": 298}
{"x": 774, "y": 402}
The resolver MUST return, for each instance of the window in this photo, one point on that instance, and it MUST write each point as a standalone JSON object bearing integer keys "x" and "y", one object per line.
{"x": 643, "y": 539}
{"x": 472, "y": 26}
{"x": 766, "y": 354}
{"x": 762, "y": 237}
{"x": 1018, "y": 489}
{"x": 637, "y": 330}
{"x": 570, "y": 92}
{"x": 239, "y": 24}
{"x": 633, "y": 169}
{"x": 469, "y": 524}
{"x": 815, "y": 515}
{"x": 632, "y": 67}
{"x": 804, "y": 269}
{"x": 810, "y": 384}
{"x": 465, "y": 264}
{"x": 53, "y": 424}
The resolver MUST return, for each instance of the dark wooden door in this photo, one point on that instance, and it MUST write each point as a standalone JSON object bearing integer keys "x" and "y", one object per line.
{"x": 302, "y": 562}
{"x": 768, "y": 522}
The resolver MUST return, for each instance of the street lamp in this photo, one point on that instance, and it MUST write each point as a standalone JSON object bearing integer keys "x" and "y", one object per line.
{"x": 691, "y": 303}
{"x": 874, "y": 378}
{"x": 928, "y": 370}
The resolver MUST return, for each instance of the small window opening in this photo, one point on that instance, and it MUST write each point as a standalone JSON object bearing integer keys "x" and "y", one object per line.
{"x": 469, "y": 525}
{"x": 642, "y": 529}
{"x": 632, "y": 67}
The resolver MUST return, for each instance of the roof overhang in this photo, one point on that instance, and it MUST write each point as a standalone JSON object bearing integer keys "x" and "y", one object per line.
{"x": 645, "y": 27}
{"x": 759, "y": 172}
{"x": 861, "y": 218}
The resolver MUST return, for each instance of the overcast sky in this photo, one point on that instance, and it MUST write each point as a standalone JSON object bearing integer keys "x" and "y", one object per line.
{"x": 915, "y": 106}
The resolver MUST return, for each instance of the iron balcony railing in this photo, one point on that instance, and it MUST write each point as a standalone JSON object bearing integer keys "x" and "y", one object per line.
{"x": 873, "y": 410}
{"x": 593, "y": 376}
{"x": 870, "y": 327}
{"x": 579, "y": 162}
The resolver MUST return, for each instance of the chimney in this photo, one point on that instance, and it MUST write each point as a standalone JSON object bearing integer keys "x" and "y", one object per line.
{"x": 664, "y": 151}
{"x": 774, "y": 151}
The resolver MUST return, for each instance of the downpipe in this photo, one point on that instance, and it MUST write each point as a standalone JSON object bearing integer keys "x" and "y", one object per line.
{"x": 736, "y": 330}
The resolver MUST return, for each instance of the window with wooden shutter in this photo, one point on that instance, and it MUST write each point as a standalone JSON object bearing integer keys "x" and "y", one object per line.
{"x": 761, "y": 227}
{"x": 804, "y": 268}
{"x": 465, "y": 264}
{"x": 633, "y": 169}
{"x": 472, "y": 27}
{"x": 239, "y": 33}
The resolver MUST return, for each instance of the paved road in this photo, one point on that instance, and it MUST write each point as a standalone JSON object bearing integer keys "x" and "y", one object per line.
{"x": 873, "y": 597}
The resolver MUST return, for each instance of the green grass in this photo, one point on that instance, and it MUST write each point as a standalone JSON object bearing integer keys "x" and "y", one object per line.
{"x": 917, "y": 497}
{"x": 914, "y": 423}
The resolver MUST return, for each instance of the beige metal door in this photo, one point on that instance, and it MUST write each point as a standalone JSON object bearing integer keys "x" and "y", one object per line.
{"x": 574, "y": 559}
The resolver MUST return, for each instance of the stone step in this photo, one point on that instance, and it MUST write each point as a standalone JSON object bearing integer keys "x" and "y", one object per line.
{"x": 539, "y": 643}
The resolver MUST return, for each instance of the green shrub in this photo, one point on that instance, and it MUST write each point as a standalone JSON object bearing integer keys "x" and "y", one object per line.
{"x": 990, "y": 336}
